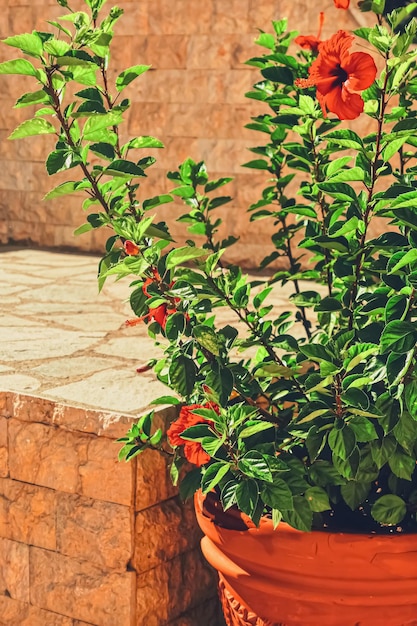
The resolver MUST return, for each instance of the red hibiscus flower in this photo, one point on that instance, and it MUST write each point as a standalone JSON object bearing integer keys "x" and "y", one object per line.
{"x": 337, "y": 74}
{"x": 157, "y": 314}
{"x": 193, "y": 450}
{"x": 341, "y": 4}
{"x": 310, "y": 42}
{"x": 131, "y": 248}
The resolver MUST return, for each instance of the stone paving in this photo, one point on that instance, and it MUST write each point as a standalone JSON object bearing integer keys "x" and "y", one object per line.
{"x": 60, "y": 339}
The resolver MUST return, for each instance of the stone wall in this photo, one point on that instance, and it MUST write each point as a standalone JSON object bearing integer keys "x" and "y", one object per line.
{"x": 193, "y": 100}
{"x": 88, "y": 541}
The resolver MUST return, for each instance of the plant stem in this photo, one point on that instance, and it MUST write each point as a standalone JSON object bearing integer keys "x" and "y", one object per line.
{"x": 369, "y": 204}
{"x": 66, "y": 128}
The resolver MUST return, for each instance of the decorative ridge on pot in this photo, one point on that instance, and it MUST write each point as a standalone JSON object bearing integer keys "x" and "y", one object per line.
{"x": 306, "y": 416}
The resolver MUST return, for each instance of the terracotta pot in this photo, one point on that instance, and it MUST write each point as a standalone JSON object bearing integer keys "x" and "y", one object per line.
{"x": 287, "y": 578}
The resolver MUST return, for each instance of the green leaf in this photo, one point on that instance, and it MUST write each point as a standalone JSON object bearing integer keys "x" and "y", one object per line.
{"x": 408, "y": 258}
{"x": 340, "y": 191}
{"x": 411, "y": 398}
{"x": 100, "y": 122}
{"x": 329, "y": 304}
{"x": 345, "y": 139}
{"x": 166, "y": 400}
{"x": 356, "y": 398}
{"x": 257, "y": 164}
{"x": 213, "y": 475}
{"x": 208, "y": 338}
{"x": 178, "y": 256}
{"x": 302, "y": 515}
{"x": 277, "y": 495}
{"x": 35, "y": 97}
{"x": 389, "y": 509}
{"x": 253, "y": 429}
{"x": 278, "y": 74}
{"x": 56, "y": 47}
{"x": 355, "y": 493}
{"x": 247, "y": 496}
{"x": 18, "y": 66}
{"x": 143, "y": 142}
{"x": 397, "y": 336}
{"x": 182, "y": 375}
{"x": 353, "y": 173}
{"x": 123, "y": 169}
{"x": 190, "y": 483}
{"x": 363, "y": 429}
{"x": 130, "y": 74}
{"x": 104, "y": 150}
{"x": 342, "y": 441}
{"x": 29, "y": 43}
{"x": 74, "y": 58}
{"x": 67, "y": 188}
{"x": 60, "y": 160}
{"x": 402, "y": 465}
{"x": 393, "y": 147}
{"x": 228, "y": 495}
{"x": 382, "y": 450}
{"x": 317, "y": 499}
{"x": 84, "y": 228}
{"x": 317, "y": 352}
{"x": 35, "y": 126}
{"x": 254, "y": 465}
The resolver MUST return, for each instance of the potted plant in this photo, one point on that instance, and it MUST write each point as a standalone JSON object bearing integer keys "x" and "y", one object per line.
{"x": 297, "y": 431}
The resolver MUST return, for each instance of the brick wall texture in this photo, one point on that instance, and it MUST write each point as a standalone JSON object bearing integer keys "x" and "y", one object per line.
{"x": 193, "y": 100}
{"x": 88, "y": 541}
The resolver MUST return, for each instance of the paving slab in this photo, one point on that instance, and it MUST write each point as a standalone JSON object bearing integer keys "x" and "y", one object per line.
{"x": 63, "y": 340}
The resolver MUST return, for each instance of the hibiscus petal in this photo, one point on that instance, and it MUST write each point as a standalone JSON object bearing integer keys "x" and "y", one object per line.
{"x": 361, "y": 70}
{"x": 346, "y": 105}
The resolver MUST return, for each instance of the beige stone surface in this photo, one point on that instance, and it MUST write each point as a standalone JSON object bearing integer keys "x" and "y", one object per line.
{"x": 81, "y": 590}
{"x": 154, "y": 546}
{"x": 14, "y": 569}
{"x": 94, "y": 531}
{"x": 120, "y": 387}
{"x": 52, "y": 344}
{"x": 15, "y": 613}
{"x": 28, "y": 513}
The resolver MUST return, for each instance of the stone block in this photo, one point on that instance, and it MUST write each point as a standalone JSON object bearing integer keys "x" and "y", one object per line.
{"x": 163, "y": 532}
{"x": 179, "y": 17}
{"x": 166, "y": 592}
{"x": 27, "y": 513}
{"x": 153, "y": 481}
{"x": 102, "y": 423}
{"x": 4, "y": 455}
{"x": 230, "y": 17}
{"x": 175, "y": 51}
{"x": 94, "y": 531}
{"x": 15, "y": 613}
{"x": 81, "y": 590}
{"x": 6, "y": 404}
{"x": 103, "y": 477}
{"x": 211, "y": 51}
{"x": 47, "y": 456}
{"x": 14, "y": 569}
{"x": 33, "y": 409}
